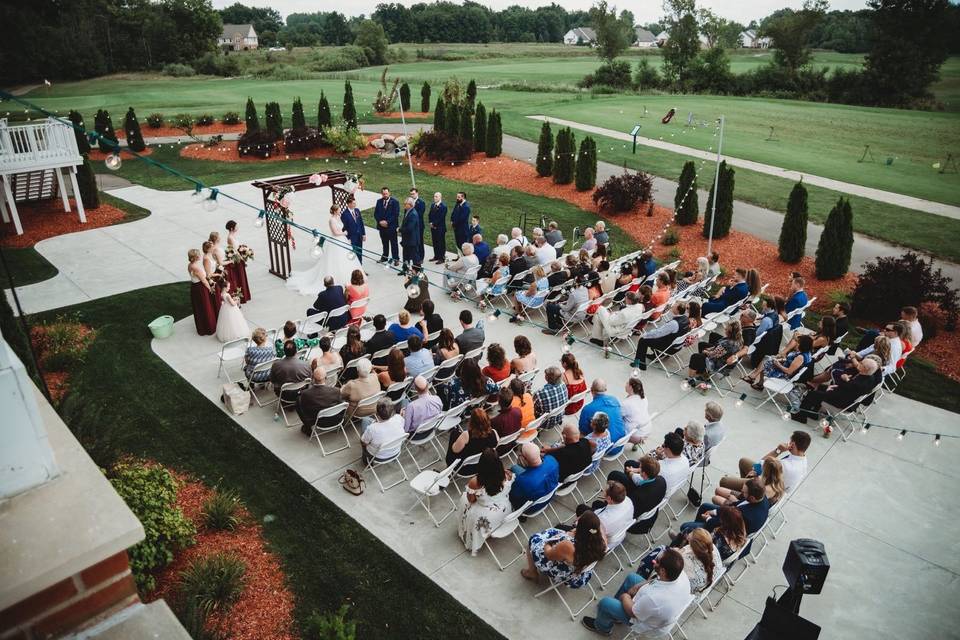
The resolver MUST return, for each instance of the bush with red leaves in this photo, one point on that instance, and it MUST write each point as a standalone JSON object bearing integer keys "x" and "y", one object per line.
{"x": 624, "y": 192}
{"x": 437, "y": 145}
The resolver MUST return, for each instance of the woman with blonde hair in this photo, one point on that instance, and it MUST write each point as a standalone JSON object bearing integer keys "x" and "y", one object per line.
{"x": 771, "y": 476}
{"x": 201, "y": 295}
{"x": 753, "y": 282}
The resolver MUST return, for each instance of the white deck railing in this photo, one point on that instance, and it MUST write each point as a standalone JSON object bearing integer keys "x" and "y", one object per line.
{"x": 39, "y": 145}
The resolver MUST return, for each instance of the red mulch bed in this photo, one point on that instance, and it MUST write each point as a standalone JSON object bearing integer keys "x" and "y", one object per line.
{"x": 227, "y": 152}
{"x": 406, "y": 114}
{"x": 99, "y": 156}
{"x": 58, "y": 382}
{"x": 172, "y": 132}
{"x": 264, "y": 610}
{"x": 46, "y": 219}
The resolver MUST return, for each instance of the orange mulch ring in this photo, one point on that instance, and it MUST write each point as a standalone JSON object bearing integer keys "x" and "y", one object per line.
{"x": 264, "y": 610}
{"x": 46, "y": 219}
{"x": 227, "y": 152}
{"x": 97, "y": 155}
{"x": 58, "y": 383}
{"x": 171, "y": 132}
{"x": 406, "y": 114}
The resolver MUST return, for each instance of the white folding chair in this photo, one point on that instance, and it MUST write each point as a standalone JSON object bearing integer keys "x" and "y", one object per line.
{"x": 312, "y": 324}
{"x": 559, "y": 586}
{"x": 338, "y": 412}
{"x": 507, "y": 528}
{"x": 613, "y": 543}
{"x": 774, "y": 387}
{"x": 428, "y": 484}
{"x": 397, "y": 392}
{"x": 853, "y": 416}
{"x": 230, "y": 352}
{"x": 474, "y": 354}
{"x": 336, "y": 313}
{"x": 465, "y": 470}
{"x": 379, "y": 358}
{"x": 283, "y": 405}
{"x": 539, "y": 506}
{"x": 395, "y": 446}
{"x": 263, "y": 367}
{"x": 527, "y": 377}
{"x": 447, "y": 371}
{"x": 423, "y": 435}
{"x": 648, "y": 534}
{"x": 452, "y": 417}
{"x": 369, "y": 401}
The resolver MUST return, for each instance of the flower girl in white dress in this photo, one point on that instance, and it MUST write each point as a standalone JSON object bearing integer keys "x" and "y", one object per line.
{"x": 231, "y": 325}
{"x": 337, "y": 260}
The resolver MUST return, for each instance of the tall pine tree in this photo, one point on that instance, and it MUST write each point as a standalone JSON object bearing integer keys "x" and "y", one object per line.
{"x": 252, "y": 119}
{"x": 471, "y": 95}
{"x": 466, "y": 126}
{"x": 494, "y": 144}
{"x": 405, "y": 96}
{"x": 297, "y": 119}
{"x": 440, "y": 116}
{"x": 324, "y": 117}
{"x": 425, "y": 97}
{"x": 564, "y": 161}
{"x": 545, "y": 151}
{"x": 104, "y": 126}
{"x": 453, "y": 120}
{"x": 480, "y": 128}
{"x": 132, "y": 128}
{"x": 685, "y": 202}
{"x": 593, "y": 160}
{"x": 793, "y": 233}
{"x": 80, "y": 132}
{"x": 87, "y": 182}
{"x": 274, "y": 121}
{"x": 721, "y": 227}
{"x": 586, "y": 175}
{"x": 836, "y": 242}
{"x": 349, "y": 109}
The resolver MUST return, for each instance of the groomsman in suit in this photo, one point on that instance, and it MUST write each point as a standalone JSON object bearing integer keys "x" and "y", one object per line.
{"x": 411, "y": 234}
{"x": 387, "y": 215}
{"x": 352, "y": 221}
{"x": 420, "y": 206}
{"x": 438, "y": 228}
{"x": 460, "y": 218}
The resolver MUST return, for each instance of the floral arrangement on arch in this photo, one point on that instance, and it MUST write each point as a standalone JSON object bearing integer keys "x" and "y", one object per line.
{"x": 353, "y": 183}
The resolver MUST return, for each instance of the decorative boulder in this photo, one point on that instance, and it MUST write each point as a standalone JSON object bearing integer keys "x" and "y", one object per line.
{"x": 387, "y": 137}
{"x": 400, "y": 141}
{"x": 377, "y": 143}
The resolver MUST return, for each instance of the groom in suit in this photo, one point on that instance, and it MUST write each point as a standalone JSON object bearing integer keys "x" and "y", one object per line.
{"x": 352, "y": 222}
{"x": 421, "y": 207}
{"x": 411, "y": 234}
{"x": 438, "y": 228}
{"x": 387, "y": 215}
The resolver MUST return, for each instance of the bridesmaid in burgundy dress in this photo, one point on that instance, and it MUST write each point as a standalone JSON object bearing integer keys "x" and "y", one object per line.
{"x": 210, "y": 269}
{"x": 236, "y": 269}
{"x": 201, "y": 295}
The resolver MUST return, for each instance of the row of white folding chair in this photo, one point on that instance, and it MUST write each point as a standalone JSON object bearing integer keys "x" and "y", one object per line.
{"x": 853, "y": 416}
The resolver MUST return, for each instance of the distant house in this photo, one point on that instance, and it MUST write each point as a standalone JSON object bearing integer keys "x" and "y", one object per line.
{"x": 645, "y": 39}
{"x": 580, "y": 35}
{"x": 664, "y": 37}
{"x": 238, "y": 37}
{"x": 750, "y": 40}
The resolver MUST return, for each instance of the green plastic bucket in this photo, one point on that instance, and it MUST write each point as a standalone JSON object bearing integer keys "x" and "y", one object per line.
{"x": 162, "y": 327}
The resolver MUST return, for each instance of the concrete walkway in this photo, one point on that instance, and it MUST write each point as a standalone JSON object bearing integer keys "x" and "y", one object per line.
{"x": 910, "y": 202}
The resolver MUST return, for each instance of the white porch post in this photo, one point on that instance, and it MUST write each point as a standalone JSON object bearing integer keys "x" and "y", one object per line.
{"x": 3, "y": 211}
{"x": 63, "y": 189}
{"x": 76, "y": 194}
{"x": 12, "y": 204}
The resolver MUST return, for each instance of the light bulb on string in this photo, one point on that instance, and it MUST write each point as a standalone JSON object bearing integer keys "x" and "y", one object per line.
{"x": 317, "y": 247}
{"x": 902, "y": 434}
{"x": 113, "y": 161}
{"x": 740, "y": 400}
{"x": 865, "y": 428}
{"x": 785, "y": 416}
{"x": 936, "y": 440}
{"x": 211, "y": 204}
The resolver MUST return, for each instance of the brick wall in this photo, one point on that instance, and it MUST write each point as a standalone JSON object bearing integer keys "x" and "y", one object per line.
{"x": 105, "y": 587}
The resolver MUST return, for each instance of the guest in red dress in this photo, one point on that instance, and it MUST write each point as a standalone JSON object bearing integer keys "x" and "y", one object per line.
{"x": 201, "y": 295}
{"x": 574, "y": 380}
{"x": 237, "y": 269}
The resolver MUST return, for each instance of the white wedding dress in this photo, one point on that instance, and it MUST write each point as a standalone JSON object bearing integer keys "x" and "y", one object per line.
{"x": 231, "y": 325}
{"x": 337, "y": 261}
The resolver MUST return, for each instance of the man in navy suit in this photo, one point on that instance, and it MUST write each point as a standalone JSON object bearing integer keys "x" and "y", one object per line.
{"x": 387, "y": 215}
{"x": 737, "y": 290}
{"x": 352, "y": 222}
{"x": 411, "y": 234}
{"x": 420, "y": 207}
{"x": 330, "y": 299}
{"x": 438, "y": 228}
{"x": 460, "y": 218}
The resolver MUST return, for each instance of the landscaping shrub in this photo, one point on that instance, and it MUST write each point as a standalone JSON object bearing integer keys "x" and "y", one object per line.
{"x": 440, "y": 145}
{"x": 611, "y": 74}
{"x": 344, "y": 139}
{"x": 87, "y": 181}
{"x": 545, "y": 151}
{"x": 258, "y": 143}
{"x": 440, "y": 116}
{"x": 586, "y": 173}
{"x": 273, "y": 121}
{"x": 206, "y": 120}
{"x": 887, "y": 284}
{"x": 480, "y": 128}
{"x": 686, "y": 202}
{"x": 425, "y": 97}
{"x": 624, "y": 192}
{"x": 182, "y": 121}
{"x": 251, "y": 118}
{"x": 721, "y": 227}
{"x": 466, "y": 126}
{"x": 79, "y": 132}
{"x": 297, "y": 119}
{"x": 349, "y": 114}
{"x": 230, "y": 117}
{"x": 324, "y": 117}
{"x": 178, "y": 70}
{"x": 151, "y": 491}
{"x": 471, "y": 100}
{"x": 103, "y": 125}
{"x": 342, "y": 59}
{"x": 564, "y": 160}
{"x": 452, "y": 112}
{"x": 155, "y": 120}
{"x": 330, "y": 626}
{"x": 214, "y": 63}
{"x": 212, "y": 583}
{"x": 670, "y": 238}
{"x": 383, "y": 103}
{"x": 453, "y": 91}
{"x": 494, "y": 144}
{"x": 405, "y": 96}
{"x": 836, "y": 242}
{"x": 62, "y": 344}
{"x": 793, "y": 233}
{"x": 674, "y": 254}
{"x": 221, "y": 511}
{"x": 646, "y": 76}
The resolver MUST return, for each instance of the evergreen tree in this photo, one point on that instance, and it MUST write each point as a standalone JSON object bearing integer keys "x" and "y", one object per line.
{"x": 466, "y": 125}
{"x": 349, "y": 109}
{"x": 425, "y": 97}
{"x": 593, "y": 160}
{"x": 104, "y": 126}
{"x": 253, "y": 120}
{"x": 545, "y": 151}
{"x": 564, "y": 162}
{"x": 480, "y": 128}
{"x": 721, "y": 228}
{"x": 471, "y": 95}
{"x": 793, "y": 233}
{"x": 453, "y": 120}
{"x": 585, "y": 175}
{"x": 87, "y": 182}
{"x": 440, "y": 116}
{"x": 132, "y": 128}
{"x": 836, "y": 242}
{"x": 80, "y": 132}
{"x": 685, "y": 202}
{"x": 405, "y": 96}
{"x": 494, "y": 144}
{"x": 324, "y": 117}
{"x": 298, "y": 120}
{"x": 274, "y": 121}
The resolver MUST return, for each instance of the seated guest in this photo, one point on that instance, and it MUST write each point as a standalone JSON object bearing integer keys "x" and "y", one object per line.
{"x": 288, "y": 369}
{"x": 569, "y": 310}
{"x": 497, "y": 368}
{"x": 420, "y": 360}
{"x": 754, "y": 508}
{"x": 394, "y": 371}
{"x": 553, "y": 233}
{"x": 573, "y": 454}
{"x": 502, "y": 248}
{"x": 648, "y": 263}
{"x": 714, "y": 259}
{"x": 574, "y": 380}
{"x": 499, "y": 276}
{"x": 786, "y": 367}
{"x": 662, "y": 336}
{"x": 736, "y": 291}
{"x": 485, "y": 502}
{"x": 259, "y": 353}
{"x": 469, "y": 384}
{"x": 792, "y": 455}
{"x": 646, "y": 488}
{"x": 714, "y": 431}
{"x": 601, "y": 233}
{"x": 842, "y": 394}
{"x": 600, "y": 437}
{"x": 314, "y": 399}
{"x": 841, "y": 322}
{"x": 536, "y": 476}
{"x": 403, "y": 328}
{"x": 517, "y": 265}
{"x": 480, "y": 248}
{"x": 478, "y": 436}
{"x": 526, "y": 359}
{"x": 522, "y": 400}
{"x": 718, "y": 356}
{"x": 471, "y": 337}
{"x": 290, "y": 333}
{"x": 635, "y": 412}
{"x": 517, "y": 239}
{"x": 602, "y": 401}
{"x": 357, "y": 290}
{"x": 822, "y": 337}
{"x": 328, "y": 357}
{"x": 545, "y": 252}
{"x": 652, "y": 610}
{"x": 425, "y": 406}
{"x": 589, "y": 241}
{"x": 661, "y": 292}
{"x": 908, "y": 315}
{"x": 456, "y": 270}
{"x": 380, "y": 437}
{"x": 330, "y": 299}
{"x": 564, "y": 556}
{"x": 607, "y": 324}
{"x": 507, "y": 420}
{"x": 446, "y": 347}
{"x": 692, "y": 436}
{"x": 731, "y": 536}
{"x": 550, "y": 397}
{"x": 430, "y": 321}
{"x": 382, "y": 338}
{"x": 533, "y": 297}
{"x": 797, "y": 300}
{"x": 352, "y": 349}
{"x": 363, "y": 386}
{"x": 771, "y": 477}
{"x": 848, "y": 364}
{"x": 674, "y": 465}
{"x": 748, "y": 334}
{"x": 701, "y": 560}
{"x": 599, "y": 258}
{"x": 530, "y": 256}
{"x": 556, "y": 275}
{"x": 613, "y": 509}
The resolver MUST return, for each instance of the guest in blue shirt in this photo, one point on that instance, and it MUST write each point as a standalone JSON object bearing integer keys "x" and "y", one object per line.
{"x": 403, "y": 329}
{"x": 475, "y": 227}
{"x": 420, "y": 359}
{"x": 797, "y": 300}
{"x": 480, "y": 248}
{"x": 610, "y": 406}
{"x": 770, "y": 310}
{"x": 536, "y": 478}
{"x": 730, "y": 294}
{"x": 648, "y": 264}
{"x": 755, "y": 507}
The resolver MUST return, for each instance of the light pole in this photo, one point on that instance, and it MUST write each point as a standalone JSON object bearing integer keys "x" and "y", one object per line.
{"x": 716, "y": 186}
{"x": 403, "y": 120}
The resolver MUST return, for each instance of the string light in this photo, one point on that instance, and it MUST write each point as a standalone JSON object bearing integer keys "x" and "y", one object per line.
{"x": 210, "y": 204}
{"x": 865, "y": 428}
{"x": 493, "y": 316}
{"x": 740, "y": 400}
{"x": 936, "y": 441}
{"x": 902, "y": 434}
{"x": 113, "y": 161}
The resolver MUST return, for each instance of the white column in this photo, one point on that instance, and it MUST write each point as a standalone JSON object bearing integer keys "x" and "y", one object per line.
{"x": 12, "y": 204}
{"x": 63, "y": 189}
{"x": 76, "y": 195}
{"x": 3, "y": 210}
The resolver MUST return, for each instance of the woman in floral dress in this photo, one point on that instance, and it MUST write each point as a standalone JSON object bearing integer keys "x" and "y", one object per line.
{"x": 486, "y": 501}
{"x": 562, "y": 556}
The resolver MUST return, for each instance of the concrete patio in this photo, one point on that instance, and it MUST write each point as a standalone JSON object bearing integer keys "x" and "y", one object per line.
{"x": 883, "y": 508}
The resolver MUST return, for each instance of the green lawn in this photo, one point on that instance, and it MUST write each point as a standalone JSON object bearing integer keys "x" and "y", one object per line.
{"x": 328, "y": 557}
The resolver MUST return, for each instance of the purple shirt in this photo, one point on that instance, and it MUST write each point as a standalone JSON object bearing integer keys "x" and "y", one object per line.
{"x": 420, "y": 410}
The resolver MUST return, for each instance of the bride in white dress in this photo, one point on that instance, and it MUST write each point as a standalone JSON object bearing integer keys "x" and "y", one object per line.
{"x": 336, "y": 260}
{"x": 231, "y": 325}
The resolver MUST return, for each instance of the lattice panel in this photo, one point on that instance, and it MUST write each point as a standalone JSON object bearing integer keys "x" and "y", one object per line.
{"x": 278, "y": 241}
{"x": 339, "y": 196}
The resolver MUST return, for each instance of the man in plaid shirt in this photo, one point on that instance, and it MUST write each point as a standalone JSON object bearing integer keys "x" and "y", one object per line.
{"x": 551, "y": 396}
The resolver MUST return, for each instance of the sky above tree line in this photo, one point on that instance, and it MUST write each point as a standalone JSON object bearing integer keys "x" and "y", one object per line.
{"x": 644, "y": 11}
